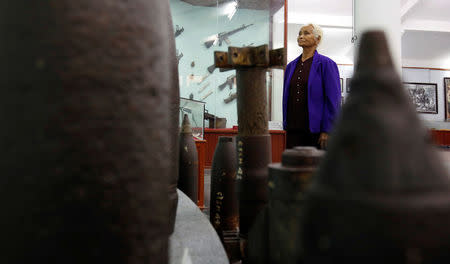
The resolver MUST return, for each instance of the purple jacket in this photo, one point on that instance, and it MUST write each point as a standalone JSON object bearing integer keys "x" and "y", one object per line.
{"x": 324, "y": 92}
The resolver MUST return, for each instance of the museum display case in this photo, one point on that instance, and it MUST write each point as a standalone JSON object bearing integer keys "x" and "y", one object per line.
{"x": 202, "y": 27}
{"x": 195, "y": 111}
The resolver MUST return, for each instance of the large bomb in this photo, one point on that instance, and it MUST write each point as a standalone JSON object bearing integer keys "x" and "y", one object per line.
{"x": 382, "y": 194}
{"x": 224, "y": 211}
{"x": 188, "y": 166}
{"x": 85, "y": 131}
{"x": 276, "y": 234}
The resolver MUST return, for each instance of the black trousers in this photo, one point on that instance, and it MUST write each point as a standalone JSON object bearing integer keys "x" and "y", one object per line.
{"x": 297, "y": 138}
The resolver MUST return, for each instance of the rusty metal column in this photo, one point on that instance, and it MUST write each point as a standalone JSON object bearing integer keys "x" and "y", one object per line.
{"x": 253, "y": 147}
{"x": 253, "y": 140}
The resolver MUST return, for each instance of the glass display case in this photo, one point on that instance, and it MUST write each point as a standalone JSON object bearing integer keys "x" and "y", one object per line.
{"x": 195, "y": 111}
{"x": 205, "y": 26}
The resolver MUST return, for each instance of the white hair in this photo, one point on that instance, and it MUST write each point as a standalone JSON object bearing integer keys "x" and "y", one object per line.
{"x": 317, "y": 31}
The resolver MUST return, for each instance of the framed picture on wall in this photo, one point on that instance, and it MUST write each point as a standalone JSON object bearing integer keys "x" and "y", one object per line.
{"x": 347, "y": 84}
{"x": 423, "y": 96}
{"x": 342, "y": 84}
{"x": 447, "y": 98}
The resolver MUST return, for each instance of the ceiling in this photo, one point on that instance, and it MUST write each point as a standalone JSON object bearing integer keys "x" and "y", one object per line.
{"x": 425, "y": 27}
{"x": 429, "y": 10}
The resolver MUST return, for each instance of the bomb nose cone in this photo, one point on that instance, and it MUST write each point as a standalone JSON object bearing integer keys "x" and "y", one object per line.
{"x": 381, "y": 189}
{"x": 186, "y": 125}
{"x": 373, "y": 51}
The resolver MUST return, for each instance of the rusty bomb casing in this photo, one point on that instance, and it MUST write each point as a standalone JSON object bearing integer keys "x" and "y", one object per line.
{"x": 287, "y": 184}
{"x": 381, "y": 194}
{"x": 224, "y": 211}
{"x": 188, "y": 165}
{"x": 174, "y": 108}
{"x": 276, "y": 233}
{"x": 85, "y": 131}
{"x": 253, "y": 140}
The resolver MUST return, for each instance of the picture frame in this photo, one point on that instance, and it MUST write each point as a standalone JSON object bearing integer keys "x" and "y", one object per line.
{"x": 342, "y": 84}
{"x": 423, "y": 96}
{"x": 447, "y": 98}
{"x": 347, "y": 84}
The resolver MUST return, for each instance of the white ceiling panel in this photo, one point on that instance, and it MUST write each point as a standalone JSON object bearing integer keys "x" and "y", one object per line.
{"x": 431, "y": 10}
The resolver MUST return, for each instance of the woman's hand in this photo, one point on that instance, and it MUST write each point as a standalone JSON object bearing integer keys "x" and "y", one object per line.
{"x": 323, "y": 140}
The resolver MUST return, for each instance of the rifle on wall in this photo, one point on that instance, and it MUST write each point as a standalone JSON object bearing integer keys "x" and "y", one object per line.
{"x": 178, "y": 30}
{"x": 206, "y": 95}
{"x": 179, "y": 55}
{"x": 203, "y": 87}
{"x": 230, "y": 98}
{"x": 204, "y": 77}
{"x": 223, "y": 36}
{"x": 229, "y": 82}
{"x": 211, "y": 68}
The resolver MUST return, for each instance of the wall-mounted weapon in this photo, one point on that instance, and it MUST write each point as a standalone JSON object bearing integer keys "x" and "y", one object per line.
{"x": 223, "y": 36}
{"x": 179, "y": 55}
{"x": 229, "y": 82}
{"x": 230, "y": 98}
{"x": 203, "y": 87}
{"x": 212, "y": 68}
{"x": 206, "y": 95}
{"x": 204, "y": 77}
{"x": 178, "y": 30}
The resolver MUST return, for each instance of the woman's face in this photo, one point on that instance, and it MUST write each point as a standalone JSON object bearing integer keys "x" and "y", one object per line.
{"x": 306, "y": 37}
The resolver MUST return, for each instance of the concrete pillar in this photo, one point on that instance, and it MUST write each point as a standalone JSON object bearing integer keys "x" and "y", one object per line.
{"x": 384, "y": 15}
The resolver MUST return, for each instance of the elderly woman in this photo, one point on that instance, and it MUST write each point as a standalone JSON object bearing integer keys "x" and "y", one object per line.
{"x": 311, "y": 93}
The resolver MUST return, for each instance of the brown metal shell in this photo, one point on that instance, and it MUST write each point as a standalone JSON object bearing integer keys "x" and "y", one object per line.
{"x": 382, "y": 194}
{"x": 254, "y": 153}
{"x": 276, "y": 235}
{"x": 224, "y": 212}
{"x": 85, "y": 133}
{"x": 287, "y": 184}
{"x": 188, "y": 166}
{"x": 174, "y": 108}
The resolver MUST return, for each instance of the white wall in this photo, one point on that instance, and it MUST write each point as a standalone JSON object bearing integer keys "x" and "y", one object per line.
{"x": 418, "y": 76}
{"x": 277, "y": 74}
{"x": 336, "y": 44}
{"x": 430, "y": 76}
{"x": 426, "y": 49}
{"x": 380, "y": 15}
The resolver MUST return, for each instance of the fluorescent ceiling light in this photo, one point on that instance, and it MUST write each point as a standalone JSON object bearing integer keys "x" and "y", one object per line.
{"x": 229, "y": 9}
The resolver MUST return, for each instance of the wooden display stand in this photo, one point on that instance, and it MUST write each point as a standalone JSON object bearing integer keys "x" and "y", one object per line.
{"x": 278, "y": 138}
{"x": 201, "y": 149}
{"x": 440, "y": 137}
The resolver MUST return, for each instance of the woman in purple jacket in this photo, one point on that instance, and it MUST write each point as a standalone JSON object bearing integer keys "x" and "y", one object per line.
{"x": 311, "y": 93}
